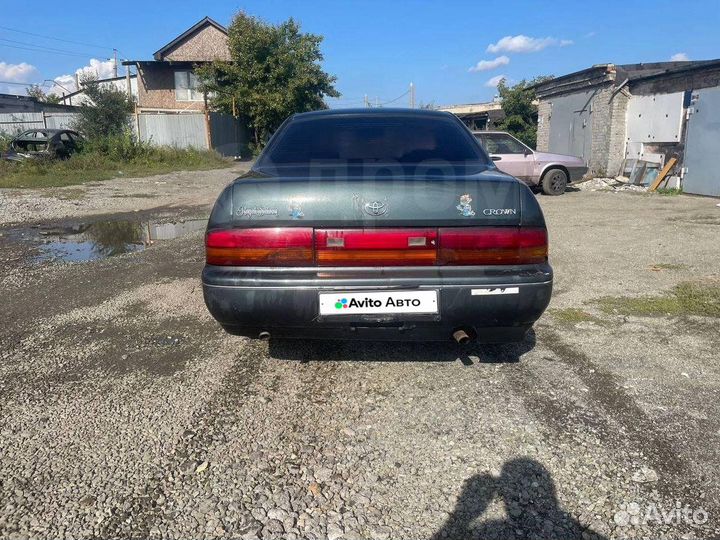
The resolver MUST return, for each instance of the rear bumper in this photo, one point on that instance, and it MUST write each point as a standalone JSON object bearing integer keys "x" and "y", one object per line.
{"x": 576, "y": 173}
{"x": 285, "y": 303}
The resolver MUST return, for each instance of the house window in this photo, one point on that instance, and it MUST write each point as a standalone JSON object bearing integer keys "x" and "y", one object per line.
{"x": 187, "y": 86}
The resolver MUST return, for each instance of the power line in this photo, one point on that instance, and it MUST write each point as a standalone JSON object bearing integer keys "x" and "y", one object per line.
{"x": 20, "y": 83}
{"x": 346, "y": 102}
{"x": 397, "y": 98}
{"x": 48, "y": 49}
{"x": 55, "y": 38}
{"x": 343, "y": 98}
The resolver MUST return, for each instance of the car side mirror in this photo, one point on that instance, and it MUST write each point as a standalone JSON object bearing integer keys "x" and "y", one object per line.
{"x": 527, "y": 152}
{"x": 496, "y": 158}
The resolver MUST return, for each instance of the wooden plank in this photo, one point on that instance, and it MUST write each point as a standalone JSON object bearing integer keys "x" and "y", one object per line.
{"x": 660, "y": 177}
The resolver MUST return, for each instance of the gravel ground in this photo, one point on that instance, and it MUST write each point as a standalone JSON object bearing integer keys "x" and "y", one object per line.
{"x": 177, "y": 189}
{"x": 126, "y": 413}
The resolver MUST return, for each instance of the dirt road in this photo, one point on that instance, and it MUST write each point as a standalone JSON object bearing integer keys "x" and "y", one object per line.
{"x": 126, "y": 412}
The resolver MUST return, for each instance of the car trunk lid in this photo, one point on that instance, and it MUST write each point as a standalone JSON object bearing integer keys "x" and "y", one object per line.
{"x": 493, "y": 200}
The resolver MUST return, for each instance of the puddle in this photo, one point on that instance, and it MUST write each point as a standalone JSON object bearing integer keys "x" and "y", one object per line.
{"x": 98, "y": 240}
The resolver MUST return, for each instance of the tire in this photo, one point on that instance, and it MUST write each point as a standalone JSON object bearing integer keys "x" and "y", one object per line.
{"x": 554, "y": 182}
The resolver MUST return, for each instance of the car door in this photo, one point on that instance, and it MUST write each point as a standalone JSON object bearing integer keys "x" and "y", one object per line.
{"x": 510, "y": 155}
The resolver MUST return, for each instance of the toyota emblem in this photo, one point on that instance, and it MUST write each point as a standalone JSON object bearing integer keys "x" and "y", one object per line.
{"x": 375, "y": 208}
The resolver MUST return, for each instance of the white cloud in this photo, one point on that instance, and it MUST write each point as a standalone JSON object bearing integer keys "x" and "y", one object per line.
{"x": 492, "y": 82}
{"x": 17, "y": 73}
{"x": 487, "y": 65}
{"x": 525, "y": 44}
{"x": 64, "y": 84}
{"x": 102, "y": 69}
{"x": 679, "y": 57}
{"x": 22, "y": 72}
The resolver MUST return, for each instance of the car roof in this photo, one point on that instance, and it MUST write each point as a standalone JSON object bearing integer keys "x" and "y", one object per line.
{"x": 47, "y": 131}
{"x": 483, "y": 132}
{"x": 371, "y": 111}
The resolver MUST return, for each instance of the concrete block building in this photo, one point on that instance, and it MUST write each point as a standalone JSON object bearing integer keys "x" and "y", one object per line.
{"x": 612, "y": 115}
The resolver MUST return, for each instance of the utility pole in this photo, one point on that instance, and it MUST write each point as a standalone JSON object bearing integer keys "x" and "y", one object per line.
{"x": 128, "y": 82}
{"x": 367, "y": 103}
{"x": 412, "y": 96}
{"x": 115, "y": 70}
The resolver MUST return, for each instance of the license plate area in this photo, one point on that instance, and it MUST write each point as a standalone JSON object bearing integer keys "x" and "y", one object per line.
{"x": 381, "y": 303}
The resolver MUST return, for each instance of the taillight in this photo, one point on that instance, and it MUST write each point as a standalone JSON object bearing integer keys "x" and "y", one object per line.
{"x": 492, "y": 245}
{"x": 290, "y": 246}
{"x": 276, "y": 246}
{"x": 376, "y": 247}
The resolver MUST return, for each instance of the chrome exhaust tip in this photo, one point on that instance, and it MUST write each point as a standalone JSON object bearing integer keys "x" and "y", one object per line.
{"x": 264, "y": 336}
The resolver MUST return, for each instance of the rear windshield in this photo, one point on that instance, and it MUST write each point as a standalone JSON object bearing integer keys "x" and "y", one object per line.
{"x": 348, "y": 139}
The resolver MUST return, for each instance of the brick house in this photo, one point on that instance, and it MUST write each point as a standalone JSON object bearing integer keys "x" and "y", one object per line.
{"x": 613, "y": 115}
{"x": 167, "y": 83}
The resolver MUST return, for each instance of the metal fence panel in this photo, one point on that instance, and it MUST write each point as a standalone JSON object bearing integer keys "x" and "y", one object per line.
{"x": 14, "y": 123}
{"x": 229, "y": 135}
{"x": 60, "y": 120}
{"x": 179, "y": 130}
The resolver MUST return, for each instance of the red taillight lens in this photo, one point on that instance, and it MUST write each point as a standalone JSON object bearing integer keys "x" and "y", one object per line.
{"x": 290, "y": 246}
{"x": 376, "y": 247}
{"x": 492, "y": 245}
{"x": 277, "y": 246}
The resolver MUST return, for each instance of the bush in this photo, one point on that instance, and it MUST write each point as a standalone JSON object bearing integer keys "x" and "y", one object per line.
{"x": 5, "y": 142}
{"x": 106, "y": 112}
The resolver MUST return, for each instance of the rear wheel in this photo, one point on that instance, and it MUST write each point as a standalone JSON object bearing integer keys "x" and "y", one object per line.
{"x": 554, "y": 182}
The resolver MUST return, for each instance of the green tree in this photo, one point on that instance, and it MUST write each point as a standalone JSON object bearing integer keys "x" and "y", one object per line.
{"x": 105, "y": 113}
{"x": 521, "y": 113}
{"x": 36, "y": 92}
{"x": 274, "y": 72}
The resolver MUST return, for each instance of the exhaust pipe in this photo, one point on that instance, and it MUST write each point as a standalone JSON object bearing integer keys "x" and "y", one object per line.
{"x": 461, "y": 337}
{"x": 264, "y": 335}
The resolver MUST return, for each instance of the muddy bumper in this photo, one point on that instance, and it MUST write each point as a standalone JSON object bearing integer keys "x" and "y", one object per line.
{"x": 492, "y": 305}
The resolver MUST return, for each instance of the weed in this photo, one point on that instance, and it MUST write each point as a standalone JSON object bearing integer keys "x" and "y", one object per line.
{"x": 684, "y": 299}
{"x": 669, "y": 191}
{"x": 106, "y": 158}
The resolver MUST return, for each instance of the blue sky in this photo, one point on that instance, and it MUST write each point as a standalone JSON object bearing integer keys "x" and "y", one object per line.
{"x": 378, "y": 48}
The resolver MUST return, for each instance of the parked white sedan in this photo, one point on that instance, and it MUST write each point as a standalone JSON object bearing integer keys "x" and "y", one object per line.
{"x": 551, "y": 172}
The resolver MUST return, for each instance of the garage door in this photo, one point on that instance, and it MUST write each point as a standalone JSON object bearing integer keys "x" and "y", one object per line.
{"x": 571, "y": 125}
{"x": 703, "y": 144}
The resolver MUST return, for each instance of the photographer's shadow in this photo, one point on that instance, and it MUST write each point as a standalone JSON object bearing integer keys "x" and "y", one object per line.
{"x": 528, "y": 494}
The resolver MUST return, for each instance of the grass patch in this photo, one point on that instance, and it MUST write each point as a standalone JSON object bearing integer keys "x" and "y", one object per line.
{"x": 669, "y": 191}
{"x": 70, "y": 194}
{"x": 683, "y": 299}
{"x": 667, "y": 266}
{"x": 102, "y": 163}
{"x": 574, "y": 316}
